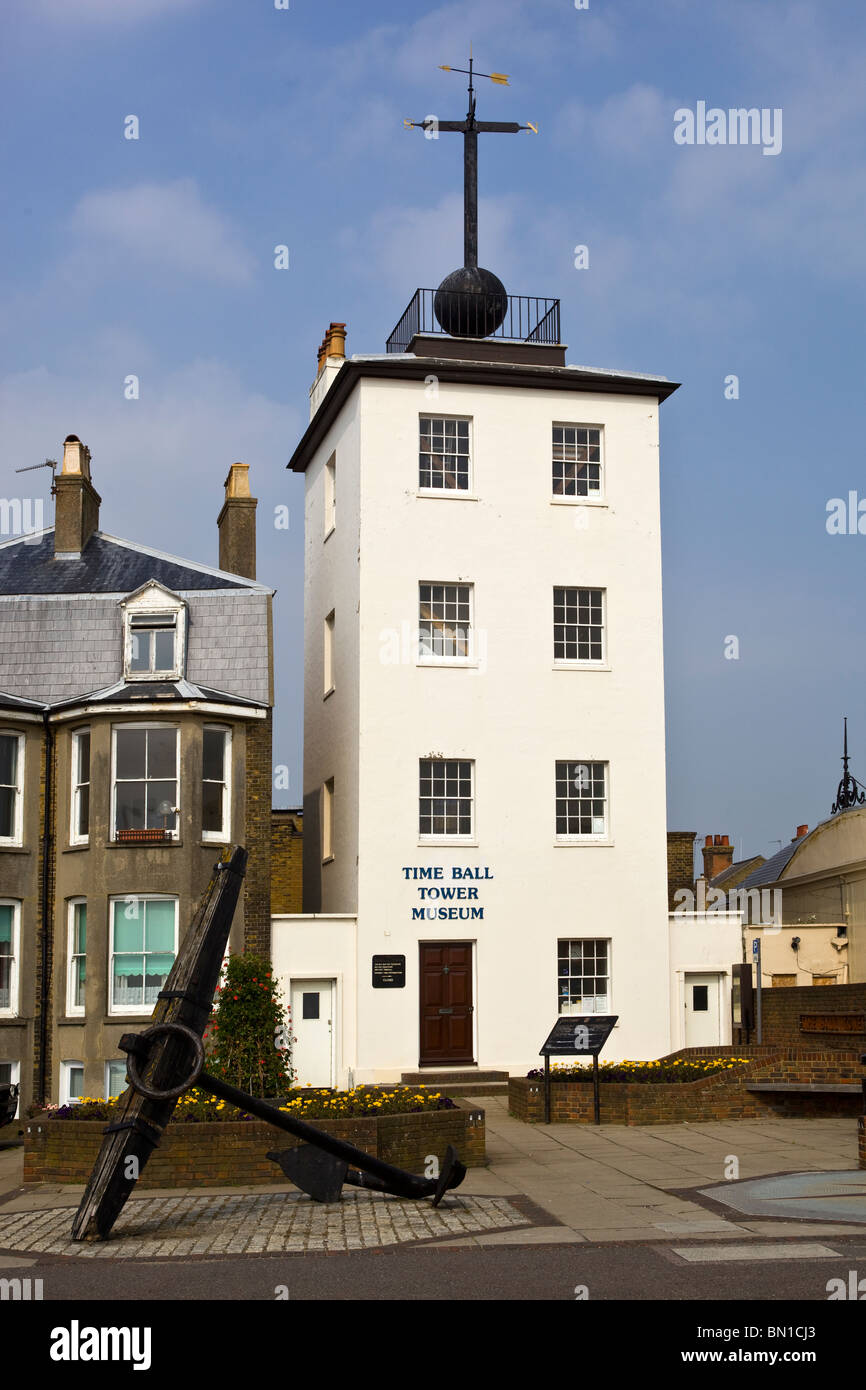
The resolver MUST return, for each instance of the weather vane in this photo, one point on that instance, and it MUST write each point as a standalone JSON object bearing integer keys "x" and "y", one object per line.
{"x": 450, "y": 305}
{"x": 848, "y": 792}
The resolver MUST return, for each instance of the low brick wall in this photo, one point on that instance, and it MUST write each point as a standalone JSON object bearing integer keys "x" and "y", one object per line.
{"x": 723, "y": 1096}
{"x": 784, "y": 1012}
{"x": 233, "y": 1152}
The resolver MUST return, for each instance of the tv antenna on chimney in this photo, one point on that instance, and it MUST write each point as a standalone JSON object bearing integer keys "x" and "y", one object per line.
{"x": 49, "y": 463}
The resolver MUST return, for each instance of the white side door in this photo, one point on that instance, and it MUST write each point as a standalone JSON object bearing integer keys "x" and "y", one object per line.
{"x": 313, "y": 1029}
{"x": 702, "y": 1010}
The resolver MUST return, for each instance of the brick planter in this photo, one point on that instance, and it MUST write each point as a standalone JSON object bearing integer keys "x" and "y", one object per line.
{"x": 222, "y": 1154}
{"x": 723, "y": 1096}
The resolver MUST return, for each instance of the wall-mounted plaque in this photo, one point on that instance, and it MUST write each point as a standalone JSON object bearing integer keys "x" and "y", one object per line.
{"x": 389, "y": 972}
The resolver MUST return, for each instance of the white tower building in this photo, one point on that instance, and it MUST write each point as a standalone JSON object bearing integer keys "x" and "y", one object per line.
{"x": 484, "y": 719}
{"x": 484, "y": 767}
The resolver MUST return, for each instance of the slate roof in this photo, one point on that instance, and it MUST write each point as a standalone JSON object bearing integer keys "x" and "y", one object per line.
{"x": 736, "y": 872}
{"x": 107, "y": 565}
{"x": 770, "y": 870}
{"x": 129, "y": 691}
{"x": 16, "y": 702}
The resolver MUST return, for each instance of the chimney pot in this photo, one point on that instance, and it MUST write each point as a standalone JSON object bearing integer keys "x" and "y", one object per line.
{"x": 718, "y": 855}
{"x": 801, "y": 831}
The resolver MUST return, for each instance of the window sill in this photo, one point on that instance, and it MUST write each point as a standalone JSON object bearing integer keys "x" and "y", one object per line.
{"x": 580, "y": 666}
{"x": 329, "y": 859}
{"x": 214, "y": 841}
{"x": 127, "y": 1018}
{"x": 449, "y": 662}
{"x": 463, "y": 840}
{"x": 153, "y": 675}
{"x": 452, "y": 493}
{"x": 8, "y": 848}
{"x": 583, "y": 842}
{"x": 328, "y": 534}
{"x": 144, "y": 844}
{"x": 578, "y": 502}
{"x": 71, "y": 1020}
{"x": 9, "y": 1016}
{"x": 328, "y": 693}
{"x": 73, "y": 849}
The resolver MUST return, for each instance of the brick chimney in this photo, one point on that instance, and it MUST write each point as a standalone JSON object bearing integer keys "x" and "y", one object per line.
{"x": 237, "y": 524}
{"x": 76, "y": 510}
{"x": 801, "y": 831}
{"x": 718, "y": 855}
{"x": 681, "y": 863}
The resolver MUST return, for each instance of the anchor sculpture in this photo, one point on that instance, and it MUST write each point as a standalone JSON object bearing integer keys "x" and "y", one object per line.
{"x": 168, "y": 1059}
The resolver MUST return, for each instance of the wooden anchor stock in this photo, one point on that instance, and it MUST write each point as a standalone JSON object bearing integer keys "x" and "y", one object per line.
{"x": 159, "y": 1072}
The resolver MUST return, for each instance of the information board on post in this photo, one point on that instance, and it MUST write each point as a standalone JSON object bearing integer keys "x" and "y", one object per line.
{"x": 577, "y": 1035}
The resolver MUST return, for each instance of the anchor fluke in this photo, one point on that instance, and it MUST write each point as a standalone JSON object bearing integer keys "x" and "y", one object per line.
{"x": 315, "y": 1172}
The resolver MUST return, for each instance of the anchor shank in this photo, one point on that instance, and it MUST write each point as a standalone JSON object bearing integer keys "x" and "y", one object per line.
{"x": 394, "y": 1180}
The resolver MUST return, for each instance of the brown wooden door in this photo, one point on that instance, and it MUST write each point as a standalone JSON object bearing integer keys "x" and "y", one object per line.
{"x": 446, "y": 1003}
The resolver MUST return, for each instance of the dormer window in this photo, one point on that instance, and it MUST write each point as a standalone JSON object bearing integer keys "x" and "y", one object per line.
{"x": 154, "y": 634}
{"x": 152, "y": 644}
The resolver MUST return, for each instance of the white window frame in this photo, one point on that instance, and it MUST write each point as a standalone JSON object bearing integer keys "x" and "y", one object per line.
{"x": 173, "y": 835}
{"x": 575, "y": 1010}
{"x": 330, "y": 622}
{"x": 113, "y": 1061}
{"x": 74, "y": 1010}
{"x": 154, "y": 601}
{"x": 427, "y": 658}
{"x": 328, "y": 820}
{"x": 65, "y": 1079}
{"x": 577, "y": 661}
{"x": 223, "y": 835}
{"x": 134, "y": 1010}
{"x": 581, "y": 499}
{"x": 330, "y": 508}
{"x": 14, "y": 1080}
{"x": 469, "y": 489}
{"x": 16, "y": 838}
{"x": 602, "y": 837}
{"x": 12, "y": 1009}
{"x": 75, "y": 837}
{"x": 452, "y": 837}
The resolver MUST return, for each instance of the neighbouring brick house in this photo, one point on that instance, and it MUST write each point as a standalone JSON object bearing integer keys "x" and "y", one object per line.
{"x": 135, "y": 743}
{"x": 287, "y": 860}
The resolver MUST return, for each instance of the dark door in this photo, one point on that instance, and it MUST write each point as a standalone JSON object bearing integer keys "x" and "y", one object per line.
{"x": 446, "y": 1003}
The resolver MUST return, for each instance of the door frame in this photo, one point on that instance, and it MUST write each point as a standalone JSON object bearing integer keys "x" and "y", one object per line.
{"x": 723, "y": 975}
{"x": 335, "y": 1017}
{"x": 440, "y": 941}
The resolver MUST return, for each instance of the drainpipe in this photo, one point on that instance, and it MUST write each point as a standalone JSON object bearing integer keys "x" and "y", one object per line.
{"x": 45, "y": 981}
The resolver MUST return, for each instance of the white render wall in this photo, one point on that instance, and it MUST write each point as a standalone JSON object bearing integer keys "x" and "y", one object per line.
{"x": 703, "y": 943}
{"x": 308, "y": 946}
{"x": 515, "y": 715}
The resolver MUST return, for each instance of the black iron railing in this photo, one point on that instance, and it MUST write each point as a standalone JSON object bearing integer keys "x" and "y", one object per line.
{"x": 527, "y": 319}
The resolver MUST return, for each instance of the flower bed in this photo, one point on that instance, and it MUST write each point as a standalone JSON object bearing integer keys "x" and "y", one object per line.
{"x": 230, "y": 1149}
{"x": 670, "y": 1090}
{"x": 666, "y": 1070}
{"x": 304, "y": 1104}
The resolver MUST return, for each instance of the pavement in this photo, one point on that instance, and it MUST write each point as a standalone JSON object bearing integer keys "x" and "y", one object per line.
{"x": 703, "y": 1184}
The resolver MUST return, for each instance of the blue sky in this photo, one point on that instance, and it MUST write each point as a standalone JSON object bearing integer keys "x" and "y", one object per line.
{"x": 260, "y": 126}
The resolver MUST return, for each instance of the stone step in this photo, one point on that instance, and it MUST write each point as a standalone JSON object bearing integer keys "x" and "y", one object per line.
{"x": 473, "y": 1088}
{"x": 438, "y": 1079}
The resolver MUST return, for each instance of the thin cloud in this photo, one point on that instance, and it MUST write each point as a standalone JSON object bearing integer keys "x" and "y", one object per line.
{"x": 166, "y": 226}
{"x": 105, "y": 12}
